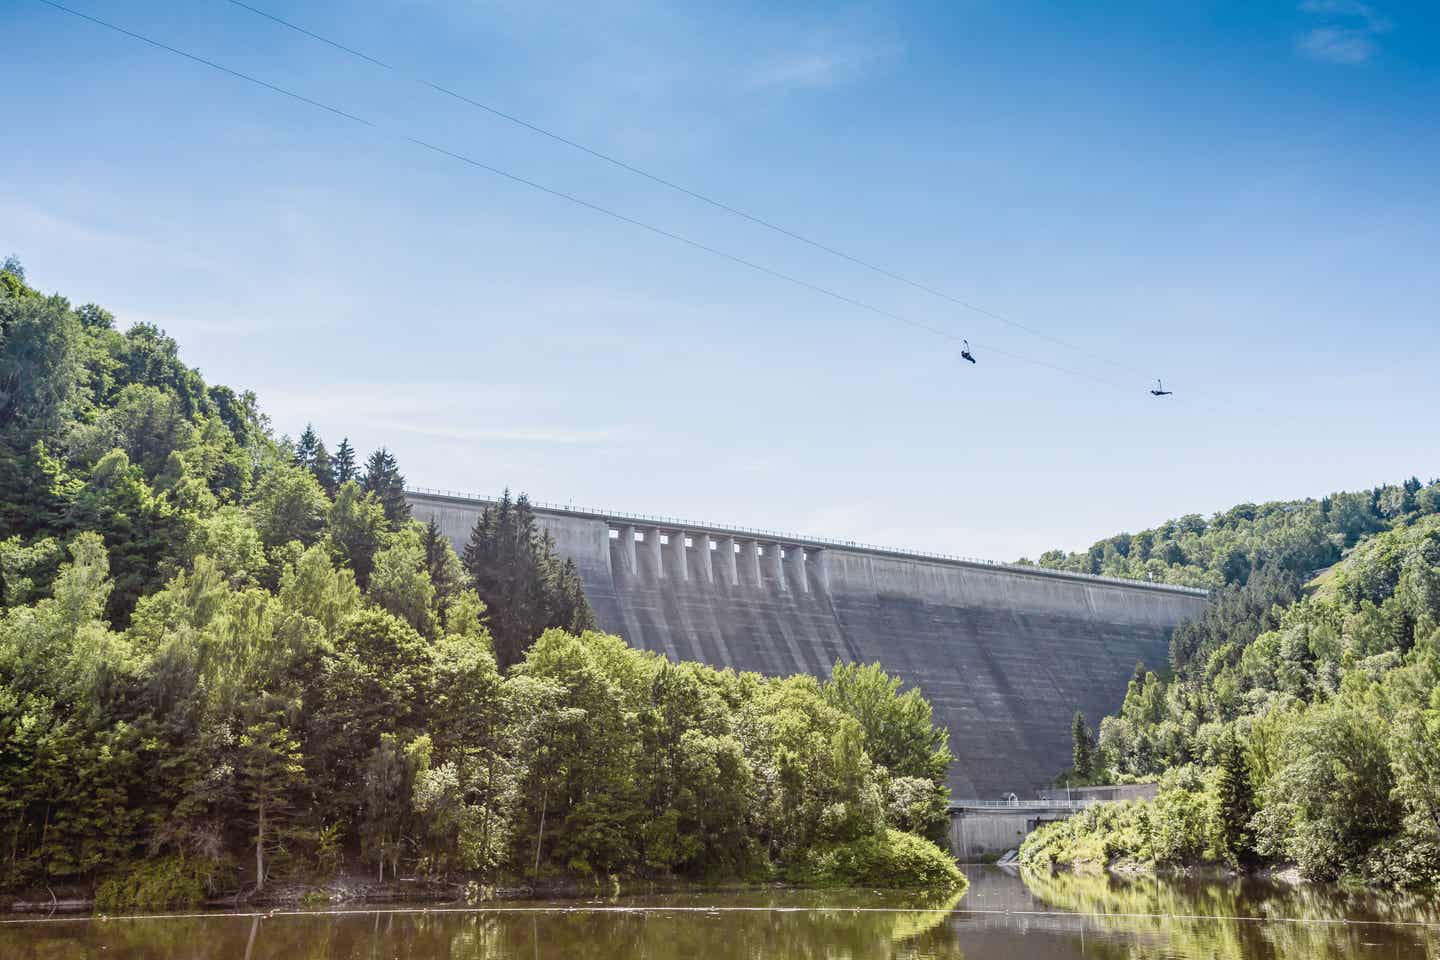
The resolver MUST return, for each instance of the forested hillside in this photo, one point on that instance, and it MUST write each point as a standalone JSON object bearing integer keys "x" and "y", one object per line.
{"x": 1298, "y": 719}
{"x": 229, "y": 660}
{"x": 1298, "y": 536}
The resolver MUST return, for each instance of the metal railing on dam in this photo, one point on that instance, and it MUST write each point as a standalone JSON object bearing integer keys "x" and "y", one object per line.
{"x": 1021, "y": 805}
{"x": 778, "y": 536}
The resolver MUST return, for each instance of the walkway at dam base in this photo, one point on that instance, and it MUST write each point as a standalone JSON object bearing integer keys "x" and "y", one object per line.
{"x": 983, "y": 830}
{"x": 1005, "y": 653}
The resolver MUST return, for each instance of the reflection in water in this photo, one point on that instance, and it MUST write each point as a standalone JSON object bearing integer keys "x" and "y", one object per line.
{"x": 1232, "y": 919}
{"x": 1001, "y": 916}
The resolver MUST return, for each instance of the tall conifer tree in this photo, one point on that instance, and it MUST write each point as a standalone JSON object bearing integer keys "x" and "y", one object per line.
{"x": 306, "y": 446}
{"x": 383, "y": 479}
{"x": 344, "y": 467}
{"x": 446, "y": 573}
{"x": 1083, "y": 746}
{"x": 310, "y": 453}
{"x": 526, "y": 588}
{"x": 1237, "y": 799}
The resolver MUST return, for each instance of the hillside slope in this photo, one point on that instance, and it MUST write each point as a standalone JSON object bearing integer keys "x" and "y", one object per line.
{"x": 229, "y": 661}
{"x": 1299, "y": 717}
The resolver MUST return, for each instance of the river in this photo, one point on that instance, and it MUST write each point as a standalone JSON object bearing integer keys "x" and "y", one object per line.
{"x": 1001, "y": 915}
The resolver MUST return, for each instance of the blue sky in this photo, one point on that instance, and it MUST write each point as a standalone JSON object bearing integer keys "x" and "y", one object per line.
{"x": 1240, "y": 197}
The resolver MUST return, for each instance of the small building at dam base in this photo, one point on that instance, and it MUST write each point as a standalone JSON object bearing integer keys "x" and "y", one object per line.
{"x": 1005, "y": 653}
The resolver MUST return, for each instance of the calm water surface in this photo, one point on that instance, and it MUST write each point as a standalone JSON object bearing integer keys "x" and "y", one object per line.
{"x": 1000, "y": 916}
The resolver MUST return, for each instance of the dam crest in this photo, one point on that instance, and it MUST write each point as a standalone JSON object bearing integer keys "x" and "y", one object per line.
{"x": 1006, "y": 653}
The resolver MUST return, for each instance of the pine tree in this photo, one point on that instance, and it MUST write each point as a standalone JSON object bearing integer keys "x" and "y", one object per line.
{"x": 270, "y": 774}
{"x": 444, "y": 567}
{"x": 311, "y": 454}
{"x": 306, "y": 447}
{"x": 570, "y": 609}
{"x": 343, "y": 467}
{"x": 383, "y": 479}
{"x": 323, "y": 468}
{"x": 526, "y": 588}
{"x": 1237, "y": 799}
{"x": 1083, "y": 747}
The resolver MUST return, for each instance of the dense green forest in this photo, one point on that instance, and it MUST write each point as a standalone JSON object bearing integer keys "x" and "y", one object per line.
{"x": 1296, "y": 536}
{"x": 1298, "y": 720}
{"x": 229, "y": 660}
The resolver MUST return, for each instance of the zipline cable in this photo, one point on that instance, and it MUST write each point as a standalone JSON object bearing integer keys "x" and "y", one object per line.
{"x": 560, "y": 194}
{"x": 689, "y": 192}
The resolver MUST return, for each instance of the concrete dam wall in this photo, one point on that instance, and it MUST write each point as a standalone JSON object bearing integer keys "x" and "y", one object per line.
{"x": 1005, "y": 654}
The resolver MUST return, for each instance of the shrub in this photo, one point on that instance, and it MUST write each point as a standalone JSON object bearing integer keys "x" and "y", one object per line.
{"x": 1187, "y": 828}
{"x": 1094, "y": 837}
{"x": 1403, "y": 861}
{"x": 165, "y": 884}
{"x": 889, "y": 859}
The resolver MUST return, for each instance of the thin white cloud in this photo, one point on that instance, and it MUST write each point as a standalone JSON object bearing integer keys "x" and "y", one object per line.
{"x": 539, "y": 435}
{"x": 1373, "y": 18}
{"x": 1338, "y": 46}
{"x": 1348, "y": 31}
{"x": 814, "y": 55}
{"x": 825, "y": 65}
{"x": 439, "y": 410}
{"x": 31, "y": 224}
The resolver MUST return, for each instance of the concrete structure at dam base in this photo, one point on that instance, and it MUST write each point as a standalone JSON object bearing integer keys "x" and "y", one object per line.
{"x": 1005, "y": 653}
{"x": 985, "y": 829}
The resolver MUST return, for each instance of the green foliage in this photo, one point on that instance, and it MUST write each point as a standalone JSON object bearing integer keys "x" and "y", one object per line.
{"x": 527, "y": 588}
{"x": 269, "y": 777}
{"x": 1180, "y": 827}
{"x": 401, "y": 582}
{"x": 26, "y": 571}
{"x": 1235, "y": 793}
{"x": 1093, "y": 837}
{"x": 41, "y": 366}
{"x": 356, "y": 529}
{"x": 1299, "y": 536}
{"x": 1082, "y": 749}
{"x": 889, "y": 859}
{"x": 900, "y": 731}
{"x": 918, "y": 805}
{"x": 383, "y": 481}
{"x": 901, "y": 736}
{"x": 1331, "y": 801}
{"x": 1312, "y": 709}
{"x": 343, "y": 466}
{"x": 1187, "y": 827}
{"x": 311, "y": 455}
{"x": 166, "y": 883}
{"x": 229, "y": 539}
{"x": 225, "y": 661}
{"x": 289, "y": 505}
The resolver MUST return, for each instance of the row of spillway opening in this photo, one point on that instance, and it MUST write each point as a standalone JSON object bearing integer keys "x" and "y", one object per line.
{"x": 695, "y": 554}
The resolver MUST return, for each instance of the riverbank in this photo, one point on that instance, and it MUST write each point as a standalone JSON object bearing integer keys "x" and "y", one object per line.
{"x": 1003, "y": 914}
{"x": 1284, "y": 874}
{"x": 1146, "y": 839}
{"x": 354, "y": 889}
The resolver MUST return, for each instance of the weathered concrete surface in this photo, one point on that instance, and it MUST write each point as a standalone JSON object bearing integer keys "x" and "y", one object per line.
{"x": 1005, "y": 654}
{"x": 985, "y": 834}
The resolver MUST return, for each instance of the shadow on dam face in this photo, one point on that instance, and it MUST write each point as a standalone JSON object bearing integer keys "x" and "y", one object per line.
{"x": 1005, "y": 654}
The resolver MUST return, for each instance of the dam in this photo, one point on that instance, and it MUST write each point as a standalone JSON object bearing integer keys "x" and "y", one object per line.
{"x": 1005, "y": 653}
